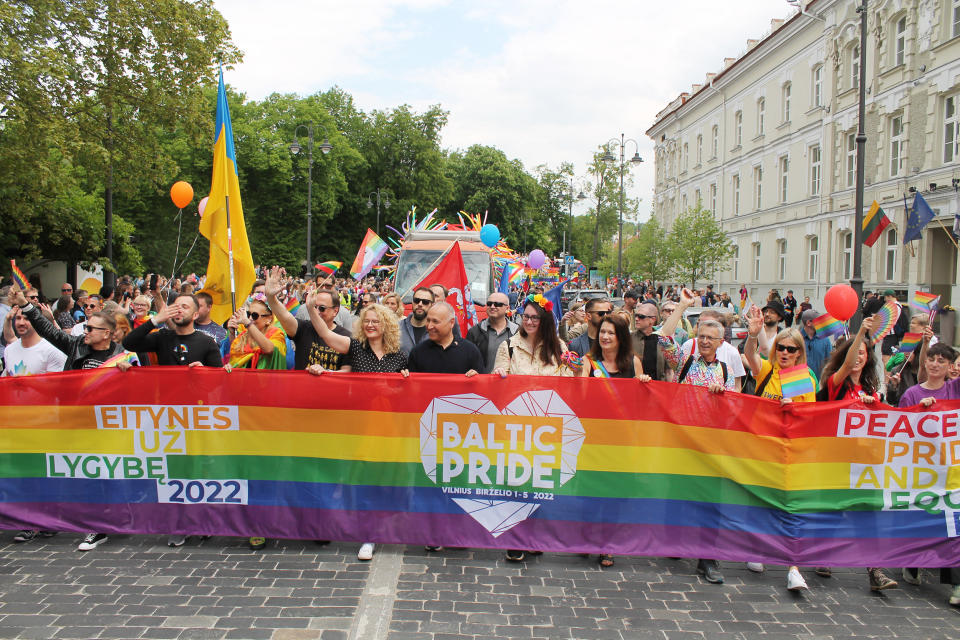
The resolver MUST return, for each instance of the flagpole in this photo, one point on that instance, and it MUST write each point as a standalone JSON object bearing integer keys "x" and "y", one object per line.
{"x": 949, "y": 235}
{"x": 857, "y": 280}
{"x": 233, "y": 281}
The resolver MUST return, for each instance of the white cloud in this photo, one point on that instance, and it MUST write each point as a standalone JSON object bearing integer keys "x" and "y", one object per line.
{"x": 545, "y": 82}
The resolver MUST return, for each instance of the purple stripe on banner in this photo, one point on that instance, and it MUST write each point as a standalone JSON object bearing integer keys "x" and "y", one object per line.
{"x": 455, "y": 530}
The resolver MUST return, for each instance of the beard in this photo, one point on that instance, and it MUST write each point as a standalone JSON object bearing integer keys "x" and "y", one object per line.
{"x": 182, "y": 322}
{"x": 419, "y": 314}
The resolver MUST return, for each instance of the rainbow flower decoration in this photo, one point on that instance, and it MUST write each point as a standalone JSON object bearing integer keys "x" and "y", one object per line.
{"x": 540, "y": 300}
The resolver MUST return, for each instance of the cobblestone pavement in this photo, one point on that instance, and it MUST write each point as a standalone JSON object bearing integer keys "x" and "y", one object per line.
{"x": 137, "y": 587}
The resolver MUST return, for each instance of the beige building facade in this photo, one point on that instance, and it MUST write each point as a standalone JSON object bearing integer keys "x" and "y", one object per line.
{"x": 768, "y": 145}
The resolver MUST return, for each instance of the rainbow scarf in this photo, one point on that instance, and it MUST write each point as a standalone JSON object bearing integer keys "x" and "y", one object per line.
{"x": 245, "y": 353}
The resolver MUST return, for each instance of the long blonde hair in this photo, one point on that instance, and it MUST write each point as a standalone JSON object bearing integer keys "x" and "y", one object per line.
{"x": 388, "y": 324}
{"x": 789, "y": 334}
{"x": 386, "y": 297}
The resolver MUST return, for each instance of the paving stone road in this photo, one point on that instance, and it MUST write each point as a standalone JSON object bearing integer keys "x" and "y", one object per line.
{"x": 137, "y": 587}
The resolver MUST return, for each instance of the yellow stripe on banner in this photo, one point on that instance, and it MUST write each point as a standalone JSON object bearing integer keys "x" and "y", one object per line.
{"x": 58, "y": 441}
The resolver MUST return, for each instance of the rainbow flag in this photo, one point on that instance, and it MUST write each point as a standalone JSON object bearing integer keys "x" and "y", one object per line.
{"x": 910, "y": 342}
{"x": 371, "y": 250}
{"x": 796, "y": 381}
{"x": 329, "y": 267}
{"x": 18, "y": 276}
{"x": 654, "y": 469}
{"x": 924, "y": 301}
{"x": 884, "y": 320}
{"x": 827, "y": 325}
{"x": 516, "y": 272}
{"x": 292, "y": 304}
{"x": 126, "y": 356}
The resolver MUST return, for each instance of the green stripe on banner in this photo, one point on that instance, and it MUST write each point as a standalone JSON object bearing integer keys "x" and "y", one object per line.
{"x": 23, "y": 465}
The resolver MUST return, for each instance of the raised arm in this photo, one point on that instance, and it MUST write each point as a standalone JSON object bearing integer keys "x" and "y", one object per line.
{"x": 922, "y": 370}
{"x": 274, "y": 285}
{"x": 841, "y": 374}
{"x": 687, "y": 299}
{"x": 337, "y": 342}
{"x": 754, "y": 325}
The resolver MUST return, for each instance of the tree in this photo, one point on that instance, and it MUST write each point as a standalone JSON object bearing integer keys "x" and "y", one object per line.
{"x": 699, "y": 245}
{"x": 554, "y": 203}
{"x": 649, "y": 254}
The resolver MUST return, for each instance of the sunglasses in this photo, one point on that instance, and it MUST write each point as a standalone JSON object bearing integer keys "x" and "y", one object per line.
{"x": 423, "y": 301}
{"x": 787, "y": 348}
{"x": 90, "y": 306}
{"x": 256, "y": 316}
{"x": 321, "y": 308}
{"x": 34, "y": 297}
{"x": 87, "y": 328}
{"x": 496, "y": 305}
{"x": 640, "y": 316}
{"x": 66, "y": 290}
{"x": 601, "y": 313}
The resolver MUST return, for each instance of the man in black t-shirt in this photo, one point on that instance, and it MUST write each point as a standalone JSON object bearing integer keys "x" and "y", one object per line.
{"x": 184, "y": 345}
{"x": 444, "y": 352}
{"x": 322, "y": 306}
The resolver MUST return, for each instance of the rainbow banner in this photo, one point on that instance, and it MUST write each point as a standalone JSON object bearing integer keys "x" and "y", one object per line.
{"x": 924, "y": 301}
{"x": 827, "y": 325}
{"x": 18, "y": 276}
{"x": 553, "y": 464}
{"x": 371, "y": 250}
{"x": 910, "y": 342}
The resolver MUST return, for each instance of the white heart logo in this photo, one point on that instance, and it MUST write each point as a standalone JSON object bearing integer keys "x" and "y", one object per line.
{"x": 500, "y": 466}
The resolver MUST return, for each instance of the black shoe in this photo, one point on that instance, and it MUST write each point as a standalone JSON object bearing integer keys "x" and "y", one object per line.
{"x": 322, "y": 543}
{"x": 431, "y": 547}
{"x": 711, "y": 571}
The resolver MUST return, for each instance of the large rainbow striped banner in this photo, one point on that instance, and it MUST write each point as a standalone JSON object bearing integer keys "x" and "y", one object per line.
{"x": 555, "y": 464}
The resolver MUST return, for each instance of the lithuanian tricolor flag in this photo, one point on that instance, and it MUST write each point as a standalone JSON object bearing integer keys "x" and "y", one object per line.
{"x": 873, "y": 224}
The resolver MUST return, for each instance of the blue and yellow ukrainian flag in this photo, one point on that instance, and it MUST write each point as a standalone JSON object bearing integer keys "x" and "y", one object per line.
{"x": 231, "y": 266}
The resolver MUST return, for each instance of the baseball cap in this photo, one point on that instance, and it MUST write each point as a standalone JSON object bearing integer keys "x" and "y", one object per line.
{"x": 808, "y": 315}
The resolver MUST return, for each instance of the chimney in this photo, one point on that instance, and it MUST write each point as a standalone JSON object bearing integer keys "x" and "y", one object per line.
{"x": 696, "y": 88}
{"x": 775, "y": 24}
{"x": 751, "y": 44}
{"x": 710, "y": 77}
{"x": 728, "y": 61}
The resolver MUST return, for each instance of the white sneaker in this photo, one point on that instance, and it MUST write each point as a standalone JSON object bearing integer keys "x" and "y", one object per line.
{"x": 795, "y": 581}
{"x": 756, "y": 567}
{"x": 92, "y": 541}
{"x": 366, "y": 551}
{"x": 176, "y": 541}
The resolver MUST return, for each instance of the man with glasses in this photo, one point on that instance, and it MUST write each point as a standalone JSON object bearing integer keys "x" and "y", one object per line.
{"x": 309, "y": 347}
{"x": 647, "y": 344}
{"x": 65, "y": 290}
{"x": 495, "y": 329}
{"x": 413, "y": 328}
{"x": 597, "y": 309}
{"x": 90, "y": 306}
{"x": 726, "y": 352}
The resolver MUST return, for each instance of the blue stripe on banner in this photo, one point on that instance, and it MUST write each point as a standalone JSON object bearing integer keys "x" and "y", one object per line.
{"x": 845, "y": 524}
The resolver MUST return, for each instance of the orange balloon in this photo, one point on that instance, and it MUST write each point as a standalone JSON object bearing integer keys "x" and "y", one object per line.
{"x": 181, "y": 193}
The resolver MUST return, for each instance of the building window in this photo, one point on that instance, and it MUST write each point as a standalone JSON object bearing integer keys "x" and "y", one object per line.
{"x": 899, "y": 41}
{"x": 813, "y": 251}
{"x": 761, "y": 114}
{"x": 736, "y": 263}
{"x": 784, "y": 166}
{"x": 896, "y": 145}
{"x": 951, "y": 129}
{"x": 685, "y": 152}
{"x": 683, "y": 203}
{"x": 851, "y": 159}
{"x": 758, "y": 186}
{"x": 817, "y": 89}
{"x": 854, "y": 66}
{"x": 815, "y": 169}
{"x": 713, "y": 197}
{"x": 736, "y": 194}
{"x": 696, "y": 197}
{"x": 738, "y": 125}
{"x": 782, "y": 260}
{"x": 715, "y": 141}
{"x": 846, "y": 246}
{"x": 756, "y": 261}
{"x": 699, "y": 149}
{"x": 785, "y": 95}
{"x": 891, "y": 261}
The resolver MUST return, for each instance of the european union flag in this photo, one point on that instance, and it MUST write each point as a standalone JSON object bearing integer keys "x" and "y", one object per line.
{"x": 917, "y": 218}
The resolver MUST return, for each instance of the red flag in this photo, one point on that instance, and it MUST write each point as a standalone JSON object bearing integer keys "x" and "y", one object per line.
{"x": 453, "y": 275}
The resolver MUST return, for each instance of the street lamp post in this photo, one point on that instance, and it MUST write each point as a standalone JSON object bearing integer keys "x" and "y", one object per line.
{"x": 325, "y": 147}
{"x": 857, "y": 280}
{"x": 386, "y": 203}
{"x": 636, "y": 159}
{"x": 569, "y": 228}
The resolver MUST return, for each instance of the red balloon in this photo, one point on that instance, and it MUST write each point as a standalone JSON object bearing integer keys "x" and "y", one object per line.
{"x": 841, "y": 301}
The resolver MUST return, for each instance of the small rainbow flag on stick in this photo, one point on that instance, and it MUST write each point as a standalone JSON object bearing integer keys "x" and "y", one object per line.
{"x": 292, "y": 304}
{"x": 885, "y": 318}
{"x": 924, "y": 301}
{"x": 796, "y": 381}
{"x": 827, "y": 325}
{"x": 329, "y": 267}
{"x": 18, "y": 276}
{"x": 910, "y": 342}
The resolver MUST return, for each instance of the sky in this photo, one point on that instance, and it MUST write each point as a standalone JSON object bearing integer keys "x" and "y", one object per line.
{"x": 545, "y": 82}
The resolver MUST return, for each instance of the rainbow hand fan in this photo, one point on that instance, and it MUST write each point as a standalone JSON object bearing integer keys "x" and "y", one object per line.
{"x": 884, "y": 320}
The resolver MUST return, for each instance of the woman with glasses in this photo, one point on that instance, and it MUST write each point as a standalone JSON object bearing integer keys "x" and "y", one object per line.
{"x": 535, "y": 350}
{"x": 374, "y": 348}
{"x": 260, "y": 344}
{"x": 140, "y": 310}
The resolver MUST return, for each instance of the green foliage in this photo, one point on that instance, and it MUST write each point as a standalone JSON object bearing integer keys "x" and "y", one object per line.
{"x": 699, "y": 245}
{"x": 649, "y": 254}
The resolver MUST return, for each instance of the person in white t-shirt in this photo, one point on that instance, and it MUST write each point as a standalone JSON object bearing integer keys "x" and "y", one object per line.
{"x": 27, "y": 354}
{"x": 726, "y": 352}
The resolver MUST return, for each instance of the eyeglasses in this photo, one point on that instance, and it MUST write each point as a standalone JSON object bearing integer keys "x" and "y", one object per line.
{"x": 787, "y": 348}
{"x": 372, "y": 322}
{"x": 640, "y": 316}
{"x": 256, "y": 316}
{"x": 423, "y": 301}
{"x": 531, "y": 319}
{"x": 496, "y": 305}
{"x": 709, "y": 338}
{"x": 87, "y": 328}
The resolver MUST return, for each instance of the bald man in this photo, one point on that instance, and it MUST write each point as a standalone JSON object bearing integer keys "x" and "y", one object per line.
{"x": 495, "y": 329}
{"x": 444, "y": 352}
